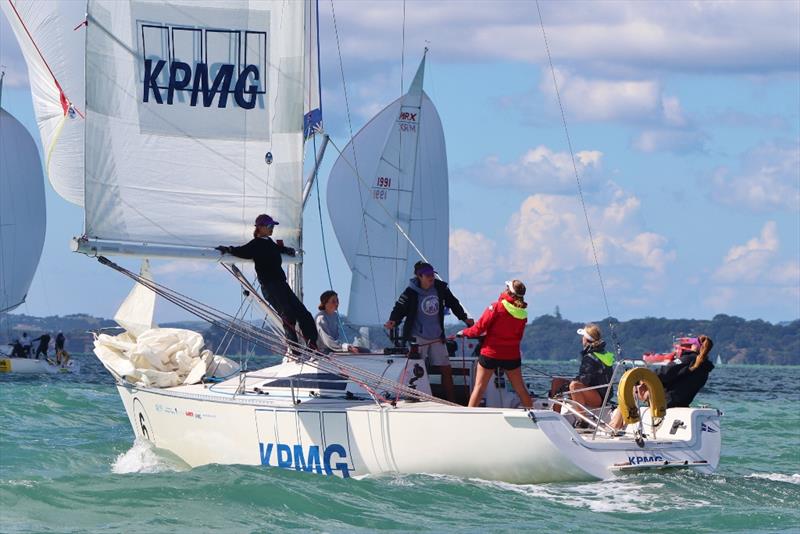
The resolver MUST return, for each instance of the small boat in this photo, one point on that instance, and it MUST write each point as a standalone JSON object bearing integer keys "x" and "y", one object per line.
{"x": 34, "y": 366}
{"x": 719, "y": 361}
{"x": 680, "y": 346}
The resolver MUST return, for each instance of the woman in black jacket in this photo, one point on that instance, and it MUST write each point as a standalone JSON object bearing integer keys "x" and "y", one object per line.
{"x": 266, "y": 254}
{"x": 597, "y": 367}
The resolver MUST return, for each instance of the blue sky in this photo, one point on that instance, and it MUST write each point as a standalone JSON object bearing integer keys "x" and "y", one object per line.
{"x": 685, "y": 121}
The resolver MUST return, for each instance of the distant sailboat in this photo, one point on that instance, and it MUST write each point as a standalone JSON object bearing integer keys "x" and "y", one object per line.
{"x": 22, "y": 210}
{"x": 391, "y": 177}
{"x": 718, "y": 361}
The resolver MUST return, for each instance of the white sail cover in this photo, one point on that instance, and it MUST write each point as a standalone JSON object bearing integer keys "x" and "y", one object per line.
{"x": 22, "y": 211}
{"x": 54, "y": 51}
{"x": 401, "y": 160}
{"x": 195, "y": 119}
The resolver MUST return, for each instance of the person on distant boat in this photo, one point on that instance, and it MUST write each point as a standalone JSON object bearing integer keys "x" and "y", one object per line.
{"x": 60, "y": 340}
{"x": 266, "y": 254}
{"x": 422, "y": 306}
{"x": 502, "y": 326}
{"x": 44, "y": 344}
{"x": 327, "y": 321}
{"x": 16, "y": 349}
{"x": 596, "y": 369}
{"x": 26, "y": 345}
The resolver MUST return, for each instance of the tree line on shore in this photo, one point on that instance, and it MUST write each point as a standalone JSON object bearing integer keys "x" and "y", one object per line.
{"x": 547, "y": 337}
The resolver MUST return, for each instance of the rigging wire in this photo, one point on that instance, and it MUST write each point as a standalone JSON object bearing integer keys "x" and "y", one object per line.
{"x": 355, "y": 160}
{"x": 370, "y": 381}
{"x": 578, "y": 182}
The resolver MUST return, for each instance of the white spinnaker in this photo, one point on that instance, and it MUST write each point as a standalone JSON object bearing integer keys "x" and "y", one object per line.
{"x": 170, "y": 165}
{"x": 54, "y": 52}
{"x": 402, "y": 162}
{"x": 22, "y": 211}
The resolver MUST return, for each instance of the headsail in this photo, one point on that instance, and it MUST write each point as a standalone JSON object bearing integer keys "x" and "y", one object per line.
{"x": 195, "y": 122}
{"x": 53, "y": 49}
{"x": 22, "y": 211}
{"x": 401, "y": 161}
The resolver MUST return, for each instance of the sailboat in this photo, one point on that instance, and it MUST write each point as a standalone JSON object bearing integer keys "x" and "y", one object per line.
{"x": 197, "y": 117}
{"x": 22, "y": 229}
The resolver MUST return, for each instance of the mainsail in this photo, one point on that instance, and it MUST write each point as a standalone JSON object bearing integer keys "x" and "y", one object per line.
{"x": 22, "y": 211}
{"x": 392, "y": 174}
{"x": 53, "y": 49}
{"x": 195, "y": 122}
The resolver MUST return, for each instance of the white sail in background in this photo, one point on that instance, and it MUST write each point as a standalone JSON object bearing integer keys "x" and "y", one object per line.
{"x": 401, "y": 159}
{"x": 195, "y": 121}
{"x": 22, "y": 211}
{"x": 54, "y": 51}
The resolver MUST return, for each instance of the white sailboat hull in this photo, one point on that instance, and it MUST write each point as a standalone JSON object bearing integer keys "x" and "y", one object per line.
{"x": 33, "y": 366}
{"x": 353, "y": 439}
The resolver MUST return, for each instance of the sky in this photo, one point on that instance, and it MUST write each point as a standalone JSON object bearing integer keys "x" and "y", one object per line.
{"x": 684, "y": 119}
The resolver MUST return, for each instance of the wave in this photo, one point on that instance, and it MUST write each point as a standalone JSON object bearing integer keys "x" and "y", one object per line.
{"x": 142, "y": 457}
{"x": 777, "y": 477}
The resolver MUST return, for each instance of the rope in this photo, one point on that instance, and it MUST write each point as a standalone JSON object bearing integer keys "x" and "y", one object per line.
{"x": 355, "y": 160}
{"x": 269, "y": 340}
{"x": 578, "y": 182}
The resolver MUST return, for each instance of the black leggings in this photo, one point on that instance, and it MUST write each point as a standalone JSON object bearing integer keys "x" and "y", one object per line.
{"x": 292, "y": 311}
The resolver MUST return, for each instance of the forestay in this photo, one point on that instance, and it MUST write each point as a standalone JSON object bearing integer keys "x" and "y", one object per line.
{"x": 195, "y": 121}
{"x": 22, "y": 211}
{"x": 54, "y": 52}
{"x": 395, "y": 169}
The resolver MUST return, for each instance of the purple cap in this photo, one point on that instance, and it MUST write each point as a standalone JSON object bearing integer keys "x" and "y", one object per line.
{"x": 265, "y": 220}
{"x": 424, "y": 268}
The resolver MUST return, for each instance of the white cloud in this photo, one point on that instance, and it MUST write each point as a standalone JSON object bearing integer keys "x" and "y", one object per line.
{"x": 602, "y": 99}
{"x": 670, "y": 140}
{"x": 755, "y": 271}
{"x": 548, "y": 234}
{"x": 472, "y": 256}
{"x": 540, "y": 169}
{"x": 757, "y": 36}
{"x": 768, "y": 178}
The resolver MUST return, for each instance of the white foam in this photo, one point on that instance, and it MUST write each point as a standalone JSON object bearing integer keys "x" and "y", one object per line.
{"x": 142, "y": 458}
{"x": 777, "y": 477}
{"x": 629, "y": 496}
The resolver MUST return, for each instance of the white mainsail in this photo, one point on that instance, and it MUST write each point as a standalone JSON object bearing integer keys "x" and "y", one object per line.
{"x": 195, "y": 122}
{"x": 396, "y": 168}
{"x": 22, "y": 211}
{"x": 53, "y": 49}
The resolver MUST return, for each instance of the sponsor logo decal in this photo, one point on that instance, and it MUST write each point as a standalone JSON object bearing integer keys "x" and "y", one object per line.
{"x": 707, "y": 428}
{"x": 309, "y": 460}
{"x": 645, "y": 459}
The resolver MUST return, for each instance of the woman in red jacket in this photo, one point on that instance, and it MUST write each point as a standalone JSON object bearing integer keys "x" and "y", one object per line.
{"x": 502, "y": 324}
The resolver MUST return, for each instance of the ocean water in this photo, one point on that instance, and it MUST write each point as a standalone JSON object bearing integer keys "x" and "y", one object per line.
{"x": 69, "y": 463}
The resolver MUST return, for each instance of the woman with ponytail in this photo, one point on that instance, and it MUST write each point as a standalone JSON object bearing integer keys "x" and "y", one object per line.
{"x": 502, "y": 325}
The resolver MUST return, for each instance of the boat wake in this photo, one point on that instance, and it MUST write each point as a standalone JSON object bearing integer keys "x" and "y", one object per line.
{"x": 778, "y": 477}
{"x": 142, "y": 457}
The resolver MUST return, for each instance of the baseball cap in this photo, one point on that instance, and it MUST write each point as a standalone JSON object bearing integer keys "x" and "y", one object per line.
{"x": 265, "y": 220}
{"x": 424, "y": 268}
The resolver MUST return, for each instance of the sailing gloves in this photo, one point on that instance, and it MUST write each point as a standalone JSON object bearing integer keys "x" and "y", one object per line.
{"x": 223, "y": 249}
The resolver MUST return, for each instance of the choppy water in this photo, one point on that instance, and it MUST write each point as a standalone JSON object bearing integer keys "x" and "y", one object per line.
{"x": 68, "y": 463}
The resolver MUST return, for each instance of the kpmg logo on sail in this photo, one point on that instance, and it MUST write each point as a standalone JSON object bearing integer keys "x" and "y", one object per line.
{"x": 202, "y": 72}
{"x": 202, "y": 66}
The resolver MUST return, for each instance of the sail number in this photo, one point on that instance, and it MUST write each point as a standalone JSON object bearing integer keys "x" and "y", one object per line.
{"x": 380, "y": 190}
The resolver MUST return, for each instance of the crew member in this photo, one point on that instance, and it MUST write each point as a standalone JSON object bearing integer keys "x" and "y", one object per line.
{"x": 501, "y": 326}
{"x": 422, "y": 306}
{"x": 266, "y": 254}
{"x": 596, "y": 369}
{"x": 26, "y": 345}
{"x": 44, "y": 344}
{"x": 327, "y": 321}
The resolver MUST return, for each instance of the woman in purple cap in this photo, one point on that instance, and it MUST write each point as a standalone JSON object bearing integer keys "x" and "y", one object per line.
{"x": 266, "y": 254}
{"x": 422, "y": 306}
